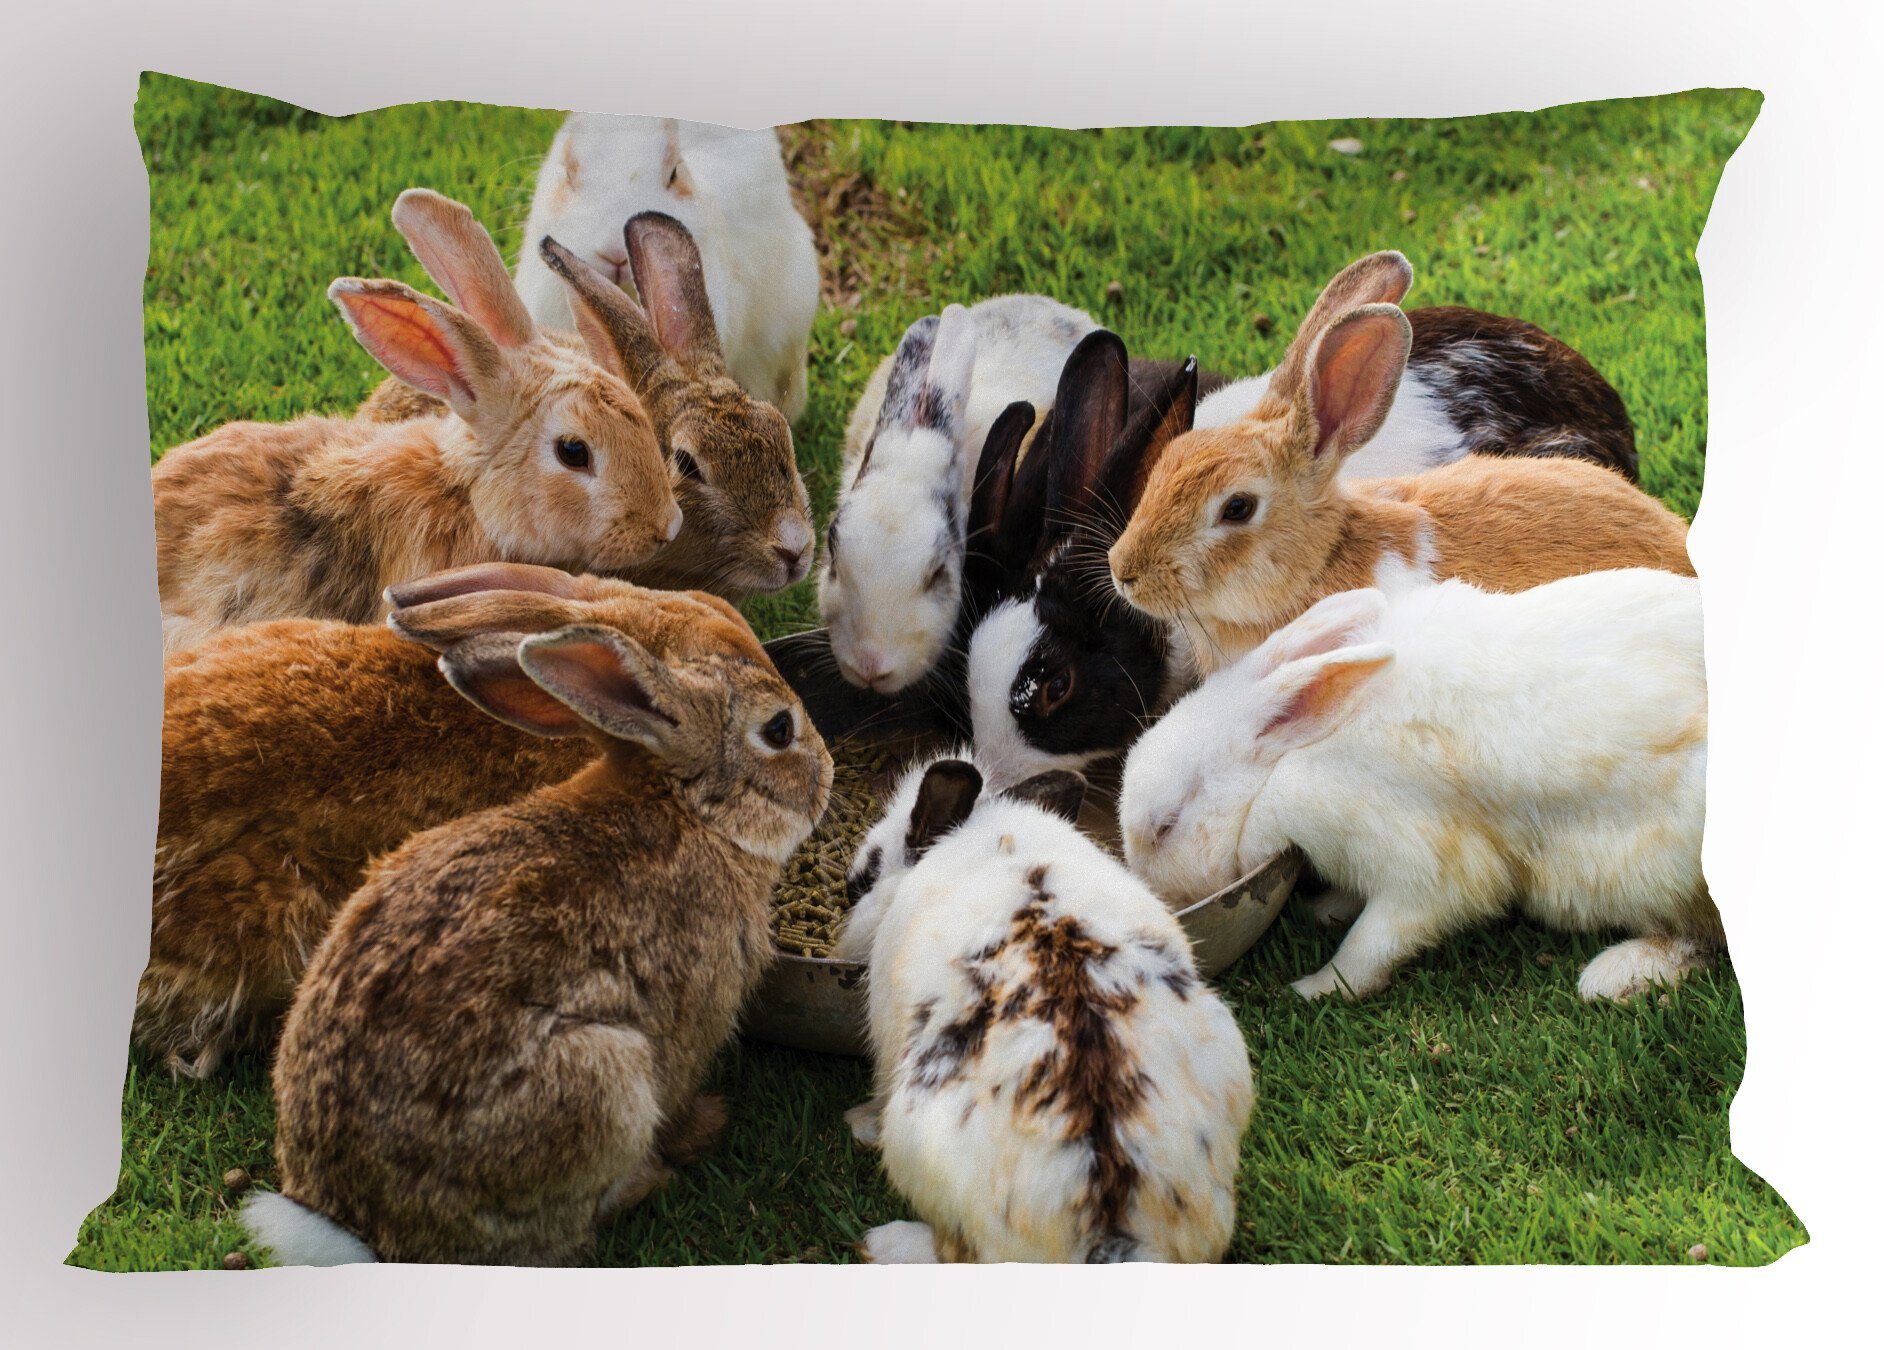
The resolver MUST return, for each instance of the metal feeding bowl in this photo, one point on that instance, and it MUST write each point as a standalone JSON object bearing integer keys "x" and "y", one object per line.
{"x": 815, "y": 1003}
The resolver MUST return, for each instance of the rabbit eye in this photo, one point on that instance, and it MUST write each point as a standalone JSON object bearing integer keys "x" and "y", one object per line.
{"x": 1055, "y": 692}
{"x": 1238, "y": 509}
{"x": 830, "y": 540}
{"x": 689, "y": 466}
{"x": 572, "y": 452}
{"x": 780, "y": 731}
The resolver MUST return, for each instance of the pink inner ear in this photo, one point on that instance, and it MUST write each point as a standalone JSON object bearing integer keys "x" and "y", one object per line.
{"x": 1354, "y": 375}
{"x": 402, "y": 337}
{"x": 515, "y": 697}
{"x": 590, "y": 673}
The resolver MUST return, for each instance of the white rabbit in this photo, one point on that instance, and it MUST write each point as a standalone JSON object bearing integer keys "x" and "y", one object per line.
{"x": 1052, "y": 1080}
{"x": 729, "y": 188}
{"x": 891, "y": 591}
{"x": 1451, "y": 755}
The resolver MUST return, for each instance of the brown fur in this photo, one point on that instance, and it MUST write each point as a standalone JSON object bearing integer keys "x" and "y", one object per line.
{"x": 749, "y": 487}
{"x": 1088, "y": 1085}
{"x": 1504, "y": 524}
{"x": 297, "y": 751}
{"x": 314, "y": 518}
{"x": 493, "y": 1046}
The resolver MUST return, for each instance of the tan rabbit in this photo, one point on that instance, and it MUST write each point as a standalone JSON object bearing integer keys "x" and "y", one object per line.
{"x": 746, "y": 520}
{"x": 297, "y": 751}
{"x": 502, "y": 1039}
{"x": 1242, "y": 527}
{"x": 545, "y": 455}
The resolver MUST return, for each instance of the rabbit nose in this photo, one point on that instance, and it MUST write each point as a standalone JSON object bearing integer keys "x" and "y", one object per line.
{"x": 612, "y": 263}
{"x": 865, "y": 667}
{"x": 788, "y": 556}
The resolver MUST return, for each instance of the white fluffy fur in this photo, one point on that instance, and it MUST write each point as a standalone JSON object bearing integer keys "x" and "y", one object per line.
{"x": 298, "y": 1236}
{"x": 757, "y": 252}
{"x": 884, "y": 617}
{"x": 999, "y": 1176}
{"x": 1418, "y": 434}
{"x": 1450, "y": 755}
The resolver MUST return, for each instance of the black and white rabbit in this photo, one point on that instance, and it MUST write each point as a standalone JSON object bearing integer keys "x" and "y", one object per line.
{"x": 1061, "y": 672}
{"x": 1475, "y": 383}
{"x": 1053, "y": 1082}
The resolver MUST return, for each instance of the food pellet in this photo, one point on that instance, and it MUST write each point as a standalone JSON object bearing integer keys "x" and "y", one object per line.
{"x": 809, "y": 906}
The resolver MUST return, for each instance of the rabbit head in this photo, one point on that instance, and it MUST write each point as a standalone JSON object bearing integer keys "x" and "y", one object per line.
{"x": 747, "y": 519}
{"x": 890, "y": 584}
{"x": 932, "y": 798}
{"x": 561, "y": 463}
{"x": 732, "y": 735}
{"x": 1192, "y": 808}
{"x": 1061, "y": 674}
{"x": 1233, "y": 516}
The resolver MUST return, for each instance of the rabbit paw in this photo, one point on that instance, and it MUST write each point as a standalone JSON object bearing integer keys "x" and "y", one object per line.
{"x": 1319, "y": 985}
{"x": 903, "y": 1243}
{"x": 866, "y": 1123}
{"x": 1630, "y": 968}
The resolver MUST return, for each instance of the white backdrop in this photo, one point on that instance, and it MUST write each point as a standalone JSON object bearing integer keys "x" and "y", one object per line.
{"x": 1786, "y": 542}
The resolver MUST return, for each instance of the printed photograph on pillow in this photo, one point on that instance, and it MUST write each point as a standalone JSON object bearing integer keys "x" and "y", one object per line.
{"x": 903, "y": 692}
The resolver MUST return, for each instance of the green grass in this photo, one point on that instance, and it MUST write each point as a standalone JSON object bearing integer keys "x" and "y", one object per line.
{"x": 1477, "y": 1112}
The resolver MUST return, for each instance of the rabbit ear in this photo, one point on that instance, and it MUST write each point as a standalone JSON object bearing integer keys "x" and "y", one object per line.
{"x": 491, "y": 576}
{"x": 440, "y": 623}
{"x": 945, "y": 799}
{"x": 1168, "y": 413}
{"x": 672, "y": 284}
{"x": 943, "y": 403}
{"x": 613, "y": 327}
{"x": 1353, "y": 376}
{"x": 611, "y": 682}
{"x": 458, "y": 254}
{"x": 423, "y": 341}
{"x": 1089, "y": 412}
{"x": 1340, "y": 620}
{"x": 1060, "y": 791}
{"x": 994, "y": 543}
{"x": 1313, "y": 696}
{"x": 485, "y": 669}
{"x": 907, "y": 369}
{"x": 1378, "y": 279}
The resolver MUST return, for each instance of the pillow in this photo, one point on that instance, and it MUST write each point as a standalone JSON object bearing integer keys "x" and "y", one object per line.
{"x": 1474, "y": 1111}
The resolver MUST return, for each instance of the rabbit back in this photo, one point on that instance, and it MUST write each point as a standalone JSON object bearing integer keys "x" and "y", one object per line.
{"x": 1064, "y": 1086}
{"x": 536, "y": 1042}
{"x": 1548, "y": 747}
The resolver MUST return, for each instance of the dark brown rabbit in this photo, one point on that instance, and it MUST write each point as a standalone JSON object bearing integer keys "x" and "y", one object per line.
{"x": 745, "y": 517}
{"x": 502, "y": 1039}
{"x": 297, "y": 751}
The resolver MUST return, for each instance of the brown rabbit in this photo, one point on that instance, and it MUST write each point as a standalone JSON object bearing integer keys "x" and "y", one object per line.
{"x": 1242, "y": 527}
{"x": 502, "y": 1039}
{"x": 746, "y": 521}
{"x": 297, "y": 751}
{"x": 545, "y": 455}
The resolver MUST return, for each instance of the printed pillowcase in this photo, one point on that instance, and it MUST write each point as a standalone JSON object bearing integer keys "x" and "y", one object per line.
{"x": 1129, "y": 530}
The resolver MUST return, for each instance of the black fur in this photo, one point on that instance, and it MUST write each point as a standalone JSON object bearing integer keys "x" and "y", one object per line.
{"x": 1098, "y": 667}
{"x": 1515, "y": 390}
{"x": 945, "y": 799}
